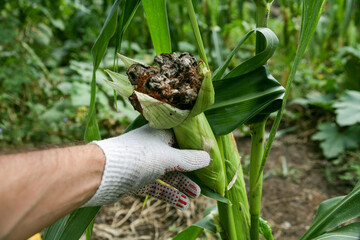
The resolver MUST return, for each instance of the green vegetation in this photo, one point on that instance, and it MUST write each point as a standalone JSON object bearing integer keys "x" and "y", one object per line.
{"x": 53, "y": 55}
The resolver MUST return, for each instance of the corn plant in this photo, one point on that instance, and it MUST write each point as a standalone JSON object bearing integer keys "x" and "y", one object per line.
{"x": 224, "y": 100}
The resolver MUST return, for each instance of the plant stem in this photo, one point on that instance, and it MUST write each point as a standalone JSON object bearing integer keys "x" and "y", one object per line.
{"x": 257, "y": 151}
{"x": 257, "y": 135}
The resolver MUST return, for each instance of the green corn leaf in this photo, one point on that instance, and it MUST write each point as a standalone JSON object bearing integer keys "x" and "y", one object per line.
{"x": 271, "y": 42}
{"x": 138, "y": 122}
{"x": 194, "y": 231}
{"x": 239, "y": 99}
{"x": 334, "y": 212}
{"x": 349, "y": 232}
{"x": 156, "y": 17}
{"x": 206, "y": 191}
{"x": 311, "y": 11}
{"x": 71, "y": 227}
{"x": 54, "y": 231}
{"x": 98, "y": 52}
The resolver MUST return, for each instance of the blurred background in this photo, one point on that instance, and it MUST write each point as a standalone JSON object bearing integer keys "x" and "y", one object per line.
{"x": 46, "y": 67}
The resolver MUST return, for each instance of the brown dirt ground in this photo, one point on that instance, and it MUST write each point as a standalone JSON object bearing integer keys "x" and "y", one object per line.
{"x": 289, "y": 203}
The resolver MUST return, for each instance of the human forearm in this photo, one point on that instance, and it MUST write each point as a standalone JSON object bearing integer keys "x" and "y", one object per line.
{"x": 40, "y": 187}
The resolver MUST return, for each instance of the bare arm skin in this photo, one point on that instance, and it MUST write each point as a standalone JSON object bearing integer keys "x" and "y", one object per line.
{"x": 38, "y": 188}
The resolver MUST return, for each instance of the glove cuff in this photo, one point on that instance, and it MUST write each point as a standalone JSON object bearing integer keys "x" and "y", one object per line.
{"x": 119, "y": 175}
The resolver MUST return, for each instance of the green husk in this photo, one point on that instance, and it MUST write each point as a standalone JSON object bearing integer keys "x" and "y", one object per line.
{"x": 196, "y": 133}
{"x": 129, "y": 61}
{"x": 206, "y": 95}
{"x": 236, "y": 191}
{"x": 120, "y": 83}
{"x": 159, "y": 114}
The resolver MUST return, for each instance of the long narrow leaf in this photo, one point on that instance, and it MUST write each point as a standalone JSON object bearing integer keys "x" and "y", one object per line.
{"x": 156, "y": 17}
{"x": 271, "y": 42}
{"x": 98, "y": 52}
{"x": 333, "y": 212}
{"x": 349, "y": 232}
{"x": 78, "y": 222}
{"x": 54, "y": 231}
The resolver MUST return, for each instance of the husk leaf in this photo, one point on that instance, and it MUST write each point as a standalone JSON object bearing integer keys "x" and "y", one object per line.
{"x": 120, "y": 84}
{"x": 196, "y": 133}
{"x": 206, "y": 95}
{"x": 129, "y": 61}
{"x": 160, "y": 115}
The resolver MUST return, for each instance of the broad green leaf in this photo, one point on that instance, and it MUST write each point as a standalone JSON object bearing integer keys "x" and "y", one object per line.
{"x": 334, "y": 142}
{"x": 239, "y": 99}
{"x": 194, "y": 231}
{"x": 349, "y": 232}
{"x": 271, "y": 42}
{"x": 311, "y": 11}
{"x": 348, "y": 108}
{"x": 156, "y": 17}
{"x": 325, "y": 101}
{"x": 333, "y": 212}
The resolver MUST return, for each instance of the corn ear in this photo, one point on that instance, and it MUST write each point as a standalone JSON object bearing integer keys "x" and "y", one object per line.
{"x": 196, "y": 133}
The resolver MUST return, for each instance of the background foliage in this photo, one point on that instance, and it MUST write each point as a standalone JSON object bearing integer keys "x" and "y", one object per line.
{"x": 46, "y": 68}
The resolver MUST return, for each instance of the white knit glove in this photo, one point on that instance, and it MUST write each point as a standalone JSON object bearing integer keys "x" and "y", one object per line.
{"x": 136, "y": 159}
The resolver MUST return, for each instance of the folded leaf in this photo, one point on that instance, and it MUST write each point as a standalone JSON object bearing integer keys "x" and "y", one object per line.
{"x": 239, "y": 99}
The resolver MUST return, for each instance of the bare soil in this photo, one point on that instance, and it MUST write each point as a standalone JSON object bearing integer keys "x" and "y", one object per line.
{"x": 289, "y": 200}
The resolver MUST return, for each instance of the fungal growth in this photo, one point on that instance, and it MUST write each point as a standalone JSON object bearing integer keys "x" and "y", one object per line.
{"x": 175, "y": 80}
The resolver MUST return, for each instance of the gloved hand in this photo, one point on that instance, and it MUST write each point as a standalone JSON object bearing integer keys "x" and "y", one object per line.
{"x": 135, "y": 160}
